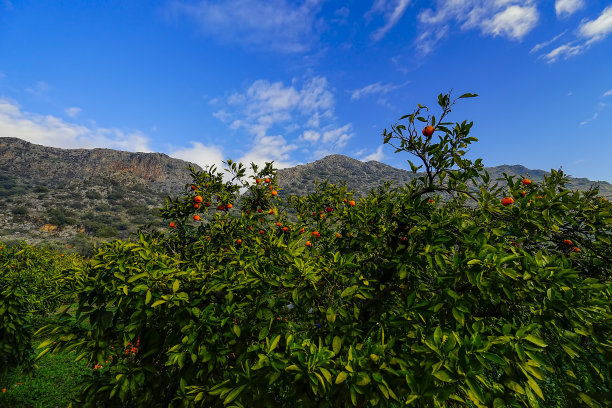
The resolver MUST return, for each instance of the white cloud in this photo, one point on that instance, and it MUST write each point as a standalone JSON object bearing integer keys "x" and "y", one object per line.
{"x": 565, "y": 51}
{"x": 584, "y": 122}
{"x": 599, "y": 28}
{"x": 73, "y": 112}
{"x": 590, "y": 30}
{"x": 271, "y": 24}
{"x": 539, "y": 46}
{"x": 311, "y": 135}
{"x": 393, "y": 11}
{"x": 512, "y": 19}
{"x": 375, "y": 88}
{"x": 515, "y": 22}
{"x": 52, "y": 131}
{"x": 567, "y": 7}
{"x": 199, "y": 154}
{"x": 281, "y": 118}
{"x": 377, "y": 155}
{"x": 607, "y": 93}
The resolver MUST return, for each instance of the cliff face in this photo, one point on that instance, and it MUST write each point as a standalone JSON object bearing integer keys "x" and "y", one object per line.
{"x": 56, "y": 166}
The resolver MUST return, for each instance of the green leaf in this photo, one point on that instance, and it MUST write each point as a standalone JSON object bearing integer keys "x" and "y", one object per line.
{"x": 342, "y": 376}
{"x": 458, "y": 314}
{"x": 236, "y": 330}
{"x": 536, "y": 340}
{"x": 158, "y": 302}
{"x": 535, "y": 387}
{"x": 275, "y": 343}
{"x": 443, "y": 375}
{"x": 175, "y": 286}
{"x": 148, "y": 297}
{"x": 337, "y": 344}
{"x": 475, "y": 389}
{"x": 233, "y": 394}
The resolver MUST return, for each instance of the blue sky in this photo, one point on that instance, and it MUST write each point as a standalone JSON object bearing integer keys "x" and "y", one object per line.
{"x": 294, "y": 81}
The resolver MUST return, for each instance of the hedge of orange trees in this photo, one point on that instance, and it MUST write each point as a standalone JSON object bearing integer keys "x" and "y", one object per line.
{"x": 30, "y": 287}
{"x": 394, "y": 299}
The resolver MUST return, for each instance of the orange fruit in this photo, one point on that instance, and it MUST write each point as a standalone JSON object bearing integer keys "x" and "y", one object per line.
{"x": 196, "y": 205}
{"x": 338, "y": 235}
{"x": 523, "y": 193}
{"x": 271, "y": 211}
{"x": 194, "y": 188}
{"x": 261, "y": 231}
{"x": 352, "y": 203}
{"x": 431, "y": 201}
{"x": 274, "y": 192}
{"x": 197, "y": 199}
{"x": 259, "y": 210}
{"x": 316, "y": 234}
{"x": 172, "y": 225}
{"x": 285, "y": 229}
{"x": 507, "y": 201}
{"x": 302, "y": 231}
{"x": 428, "y": 131}
{"x": 539, "y": 197}
{"x": 267, "y": 180}
{"x": 229, "y": 206}
{"x": 278, "y": 224}
{"x": 221, "y": 207}
{"x": 238, "y": 241}
{"x": 329, "y": 209}
{"x": 257, "y": 180}
{"x": 575, "y": 249}
{"x": 526, "y": 182}
{"x": 568, "y": 242}
{"x": 196, "y": 217}
{"x": 344, "y": 201}
{"x": 308, "y": 244}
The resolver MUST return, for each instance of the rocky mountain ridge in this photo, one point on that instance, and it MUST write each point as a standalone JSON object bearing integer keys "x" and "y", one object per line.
{"x": 75, "y": 197}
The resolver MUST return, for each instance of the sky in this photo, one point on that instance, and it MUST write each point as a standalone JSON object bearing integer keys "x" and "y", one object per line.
{"x": 294, "y": 81}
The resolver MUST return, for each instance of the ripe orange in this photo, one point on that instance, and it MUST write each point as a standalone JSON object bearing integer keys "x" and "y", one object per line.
{"x": 302, "y": 231}
{"x": 229, "y": 206}
{"x": 352, "y": 203}
{"x": 271, "y": 211}
{"x": 539, "y": 197}
{"x": 523, "y": 193}
{"x": 267, "y": 180}
{"x": 194, "y": 188}
{"x": 308, "y": 244}
{"x": 431, "y": 201}
{"x": 259, "y": 210}
{"x": 196, "y": 205}
{"x": 197, "y": 199}
{"x": 239, "y": 241}
{"x": 526, "y": 182}
{"x": 285, "y": 229}
{"x": 261, "y": 231}
{"x": 568, "y": 242}
{"x": 196, "y": 217}
{"x": 257, "y": 181}
{"x": 274, "y": 192}
{"x": 507, "y": 201}
{"x": 575, "y": 249}
{"x": 428, "y": 131}
{"x": 338, "y": 235}
{"x": 221, "y": 207}
{"x": 316, "y": 234}
{"x": 344, "y": 201}
{"x": 172, "y": 225}
{"x": 329, "y": 209}
{"x": 278, "y": 224}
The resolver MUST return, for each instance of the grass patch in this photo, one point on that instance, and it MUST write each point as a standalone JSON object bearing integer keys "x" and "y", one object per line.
{"x": 53, "y": 384}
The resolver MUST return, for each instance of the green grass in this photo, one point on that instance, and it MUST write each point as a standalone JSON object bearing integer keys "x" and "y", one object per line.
{"x": 54, "y": 384}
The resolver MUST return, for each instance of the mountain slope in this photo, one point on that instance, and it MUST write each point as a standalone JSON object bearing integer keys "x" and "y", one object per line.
{"x": 74, "y": 197}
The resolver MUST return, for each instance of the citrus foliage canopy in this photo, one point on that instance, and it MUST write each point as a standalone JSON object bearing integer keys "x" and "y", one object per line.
{"x": 399, "y": 298}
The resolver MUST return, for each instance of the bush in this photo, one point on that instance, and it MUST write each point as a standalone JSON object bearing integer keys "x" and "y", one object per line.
{"x": 393, "y": 299}
{"x": 30, "y": 287}
{"x": 20, "y": 211}
{"x": 60, "y": 217}
{"x": 93, "y": 195}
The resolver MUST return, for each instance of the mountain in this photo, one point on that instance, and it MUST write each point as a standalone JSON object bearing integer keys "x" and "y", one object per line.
{"x": 73, "y": 198}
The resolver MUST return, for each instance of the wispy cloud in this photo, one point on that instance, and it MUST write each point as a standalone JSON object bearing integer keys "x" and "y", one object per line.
{"x": 598, "y": 29}
{"x": 607, "y": 93}
{"x": 282, "y": 118}
{"x": 512, "y": 19}
{"x": 378, "y": 155}
{"x": 49, "y": 130}
{"x": 393, "y": 10}
{"x": 73, "y": 112}
{"x": 600, "y": 107}
{"x": 567, "y": 7}
{"x": 40, "y": 89}
{"x": 375, "y": 89}
{"x": 539, "y": 46}
{"x": 589, "y": 32}
{"x": 269, "y": 24}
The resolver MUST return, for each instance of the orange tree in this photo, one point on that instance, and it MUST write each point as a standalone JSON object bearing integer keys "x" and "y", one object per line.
{"x": 29, "y": 290}
{"x": 398, "y": 298}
